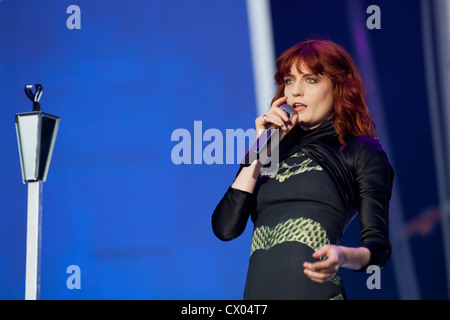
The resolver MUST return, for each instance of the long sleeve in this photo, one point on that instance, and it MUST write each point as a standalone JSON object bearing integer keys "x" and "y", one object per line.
{"x": 374, "y": 179}
{"x": 231, "y": 214}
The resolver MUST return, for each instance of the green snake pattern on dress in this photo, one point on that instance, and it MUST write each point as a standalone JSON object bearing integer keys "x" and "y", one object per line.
{"x": 302, "y": 230}
{"x": 286, "y": 171}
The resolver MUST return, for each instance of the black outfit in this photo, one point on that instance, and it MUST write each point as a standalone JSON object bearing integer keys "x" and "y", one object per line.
{"x": 318, "y": 189}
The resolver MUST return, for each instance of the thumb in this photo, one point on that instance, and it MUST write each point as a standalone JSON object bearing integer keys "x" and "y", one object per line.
{"x": 290, "y": 125}
{"x": 322, "y": 251}
{"x": 292, "y": 121}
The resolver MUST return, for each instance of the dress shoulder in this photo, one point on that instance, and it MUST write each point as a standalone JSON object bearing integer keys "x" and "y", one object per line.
{"x": 364, "y": 144}
{"x": 363, "y": 151}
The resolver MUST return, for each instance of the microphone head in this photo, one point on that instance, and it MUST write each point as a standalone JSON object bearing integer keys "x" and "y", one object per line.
{"x": 288, "y": 109}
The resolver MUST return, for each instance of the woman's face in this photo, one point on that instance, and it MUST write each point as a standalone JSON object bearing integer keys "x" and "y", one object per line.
{"x": 311, "y": 97}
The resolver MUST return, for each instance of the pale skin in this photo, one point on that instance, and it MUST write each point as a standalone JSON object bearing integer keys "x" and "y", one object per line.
{"x": 312, "y": 98}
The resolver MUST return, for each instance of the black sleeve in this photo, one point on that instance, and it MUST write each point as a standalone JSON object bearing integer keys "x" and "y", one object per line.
{"x": 374, "y": 179}
{"x": 231, "y": 214}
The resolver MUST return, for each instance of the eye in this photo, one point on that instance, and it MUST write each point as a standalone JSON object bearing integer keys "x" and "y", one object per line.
{"x": 288, "y": 81}
{"x": 311, "y": 80}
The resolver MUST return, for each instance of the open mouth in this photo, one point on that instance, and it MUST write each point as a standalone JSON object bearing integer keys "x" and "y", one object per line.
{"x": 299, "y": 106}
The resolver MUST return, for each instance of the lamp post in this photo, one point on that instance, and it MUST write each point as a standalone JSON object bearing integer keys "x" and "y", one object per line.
{"x": 36, "y": 133}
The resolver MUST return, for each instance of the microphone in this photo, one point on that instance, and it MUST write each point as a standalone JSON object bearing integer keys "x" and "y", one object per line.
{"x": 263, "y": 142}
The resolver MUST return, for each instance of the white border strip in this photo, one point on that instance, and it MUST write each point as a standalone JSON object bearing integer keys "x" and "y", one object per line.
{"x": 262, "y": 52}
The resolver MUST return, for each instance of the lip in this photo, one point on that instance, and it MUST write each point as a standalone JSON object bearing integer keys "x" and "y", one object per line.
{"x": 298, "y": 106}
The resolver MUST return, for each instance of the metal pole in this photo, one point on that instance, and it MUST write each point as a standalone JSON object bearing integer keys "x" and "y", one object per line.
{"x": 36, "y": 133}
{"x": 34, "y": 223}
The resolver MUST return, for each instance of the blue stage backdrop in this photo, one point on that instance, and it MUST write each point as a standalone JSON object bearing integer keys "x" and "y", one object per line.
{"x": 116, "y": 205}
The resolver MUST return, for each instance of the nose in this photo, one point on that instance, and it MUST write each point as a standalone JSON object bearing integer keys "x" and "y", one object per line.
{"x": 298, "y": 89}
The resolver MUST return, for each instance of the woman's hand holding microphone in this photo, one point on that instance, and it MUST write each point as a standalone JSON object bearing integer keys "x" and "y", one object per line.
{"x": 276, "y": 118}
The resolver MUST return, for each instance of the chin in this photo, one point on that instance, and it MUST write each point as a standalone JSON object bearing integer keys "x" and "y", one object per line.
{"x": 306, "y": 125}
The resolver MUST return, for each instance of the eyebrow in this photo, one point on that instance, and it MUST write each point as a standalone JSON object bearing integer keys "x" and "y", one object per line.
{"x": 303, "y": 75}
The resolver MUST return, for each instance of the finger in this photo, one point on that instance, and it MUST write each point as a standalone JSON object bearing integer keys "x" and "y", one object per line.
{"x": 265, "y": 122}
{"x": 322, "y": 251}
{"x": 318, "y": 276}
{"x": 321, "y": 265}
{"x": 320, "y": 273}
{"x": 275, "y": 119}
{"x": 281, "y": 113}
{"x": 292, "y": 121}
{"x": 276, "y": 108}
{"x": 279, "y": 102}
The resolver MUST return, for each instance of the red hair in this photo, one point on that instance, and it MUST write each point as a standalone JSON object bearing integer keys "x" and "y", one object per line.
{"x": 323, "y": 57}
